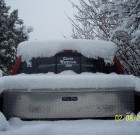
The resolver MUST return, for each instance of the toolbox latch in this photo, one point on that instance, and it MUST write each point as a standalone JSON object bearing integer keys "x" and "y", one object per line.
{"x": 69, "y": 98}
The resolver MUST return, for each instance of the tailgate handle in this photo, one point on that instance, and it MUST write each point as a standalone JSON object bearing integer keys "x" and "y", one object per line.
{"x": 69, "y": 98}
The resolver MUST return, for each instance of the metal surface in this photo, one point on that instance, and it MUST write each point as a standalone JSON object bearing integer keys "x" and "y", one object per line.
{"x": 68, "y": 104}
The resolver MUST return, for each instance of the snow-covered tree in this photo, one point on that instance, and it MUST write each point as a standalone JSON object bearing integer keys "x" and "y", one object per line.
{"x": 12, "y": 32}
{"x": 126, "y": 16}
{"x": 115, "y": 20}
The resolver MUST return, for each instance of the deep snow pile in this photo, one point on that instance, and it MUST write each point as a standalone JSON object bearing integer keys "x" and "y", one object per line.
{"x": 75, "y": 127}
{"x": 68, "y": 79}
{"x": 88, "y": 48}
{"x": 4, "y": 125}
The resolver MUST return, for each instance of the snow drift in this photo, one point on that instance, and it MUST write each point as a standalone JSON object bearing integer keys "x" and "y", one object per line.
{"x": 75, "y": 127}
{"x": 4, "y": 125}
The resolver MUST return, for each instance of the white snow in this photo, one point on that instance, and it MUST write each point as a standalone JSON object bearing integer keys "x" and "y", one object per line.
{"x": 88, "y": 48}
{"x": 136, "y": 35}
{"x": 73, "y": 127}
{"x": 17, "y": 26}
{"x": 68, "y": 79}
{"x": 4, "y": 125}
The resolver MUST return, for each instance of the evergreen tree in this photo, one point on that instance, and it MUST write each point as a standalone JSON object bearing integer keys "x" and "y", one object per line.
{"x": 12, "y": 32}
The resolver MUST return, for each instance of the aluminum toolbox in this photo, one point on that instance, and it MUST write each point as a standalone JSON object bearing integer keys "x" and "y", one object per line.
{"x": 70, "y": 103}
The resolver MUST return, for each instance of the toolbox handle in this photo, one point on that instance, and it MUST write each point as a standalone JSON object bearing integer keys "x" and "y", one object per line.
{"x": 69, "y": 98}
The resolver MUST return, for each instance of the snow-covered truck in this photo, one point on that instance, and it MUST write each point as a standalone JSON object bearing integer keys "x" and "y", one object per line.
{"x": 67, "y": 79}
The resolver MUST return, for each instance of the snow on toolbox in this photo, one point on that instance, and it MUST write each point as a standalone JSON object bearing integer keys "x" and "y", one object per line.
{"x": 67, "y": 79}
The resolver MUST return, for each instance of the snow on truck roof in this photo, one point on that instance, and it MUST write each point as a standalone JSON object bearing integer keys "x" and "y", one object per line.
{"x": 88, "y": 48}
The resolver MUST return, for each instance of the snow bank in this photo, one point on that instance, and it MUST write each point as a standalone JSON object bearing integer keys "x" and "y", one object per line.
{"x": 4, "y": 125}
{"x": 67, "y": 80}
{"x": 88, "y": 48}
{"x": 75, "y": 127}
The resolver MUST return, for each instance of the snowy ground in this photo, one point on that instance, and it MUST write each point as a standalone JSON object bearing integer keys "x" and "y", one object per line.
{"x": 71, "y": 127}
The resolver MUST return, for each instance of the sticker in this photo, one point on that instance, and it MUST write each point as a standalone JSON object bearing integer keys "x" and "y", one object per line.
{"x": 29, "y": 64}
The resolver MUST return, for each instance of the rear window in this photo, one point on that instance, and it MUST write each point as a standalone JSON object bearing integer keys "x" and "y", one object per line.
{"x": 66, "y": 61}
